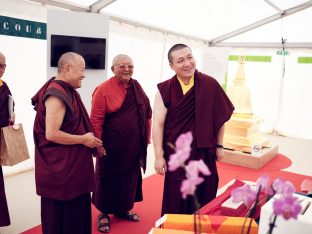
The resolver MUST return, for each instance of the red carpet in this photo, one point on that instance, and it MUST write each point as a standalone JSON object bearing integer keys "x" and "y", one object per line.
{"x": 273, "y": 169}
{"x": 149, "y": 209}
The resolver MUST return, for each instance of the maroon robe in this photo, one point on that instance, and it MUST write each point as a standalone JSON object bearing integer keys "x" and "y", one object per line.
{"x": 62, "y": 172}
{"x": 4, "y": 121}
{"x": 202, "y": 110}
{"x": 118, "y": 174}
{"x": 66, "y": 217}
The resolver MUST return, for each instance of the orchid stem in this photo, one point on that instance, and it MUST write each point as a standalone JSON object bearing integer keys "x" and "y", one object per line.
{"x": 272, "y": 225}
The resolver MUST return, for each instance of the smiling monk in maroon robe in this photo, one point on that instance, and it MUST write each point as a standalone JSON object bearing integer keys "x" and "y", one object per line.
{"x": 63, "y": 151}
{"x": 189, "y": 101}
{"x": 4, "y": 121}
{"x": 121, "y": 116}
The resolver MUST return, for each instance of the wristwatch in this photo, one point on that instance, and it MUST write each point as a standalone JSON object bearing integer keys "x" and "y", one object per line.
{"x": 219, "y": 146}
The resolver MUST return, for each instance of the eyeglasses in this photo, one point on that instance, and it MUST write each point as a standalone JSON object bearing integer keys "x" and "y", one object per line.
{"x": 123, "y": 66}
{"x": 2, "y": 66}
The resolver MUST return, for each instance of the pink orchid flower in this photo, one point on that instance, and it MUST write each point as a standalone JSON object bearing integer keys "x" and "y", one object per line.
{"x": 245, "y": 194}
{"x": 184, "y": 142}
{"x": 194, "y": 167}
{"x": 285, "y": 188}
{"x": 188, "y": 186}
{"x": 177, "y": 160}
{"x": 288, "y": 207}
{"x": 182, "y": 151}
{"x": 264, "y": 183}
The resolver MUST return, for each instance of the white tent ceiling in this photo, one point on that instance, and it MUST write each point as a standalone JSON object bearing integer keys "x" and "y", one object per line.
{"x": 218, "y": 22}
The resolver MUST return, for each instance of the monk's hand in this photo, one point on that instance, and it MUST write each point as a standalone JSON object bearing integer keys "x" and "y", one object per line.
{"x": 219, "y": 153}
{"x": 160, "y": 166}
{"x": 101, "y": 151}
{"x": 91, "y": 141}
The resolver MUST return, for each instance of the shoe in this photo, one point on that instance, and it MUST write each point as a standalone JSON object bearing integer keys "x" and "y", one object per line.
{"x": 103, "y": 227}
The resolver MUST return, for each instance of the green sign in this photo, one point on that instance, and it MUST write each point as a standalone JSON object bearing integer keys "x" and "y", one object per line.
{"x": 22, "y": 28}
{"x": 282, "y": 52}
{"x": 251, "y": 58}
{"x": 304, "y": 59}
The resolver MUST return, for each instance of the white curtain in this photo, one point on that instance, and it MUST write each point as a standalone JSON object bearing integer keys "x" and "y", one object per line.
{"x": 296, "y": 111}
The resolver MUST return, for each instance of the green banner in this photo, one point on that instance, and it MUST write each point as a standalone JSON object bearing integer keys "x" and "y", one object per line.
{"x": 251, "y": 58}
{"x": 22, "y": 28}
{"x": 304, "y": 59}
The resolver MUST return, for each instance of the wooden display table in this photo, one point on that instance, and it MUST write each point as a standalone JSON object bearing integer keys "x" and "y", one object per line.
{"x": 247, "y": 160}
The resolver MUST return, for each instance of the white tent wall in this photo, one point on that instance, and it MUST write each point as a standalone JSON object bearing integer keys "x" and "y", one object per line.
{"x": 295, "y": 111}
{"x": 26, "y": 72}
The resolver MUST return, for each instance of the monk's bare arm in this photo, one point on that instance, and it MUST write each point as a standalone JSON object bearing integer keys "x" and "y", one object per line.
{"x": 219, "y": 151}
{"x": 55, "y": 112}
{"x": 149, "y": 130}
{"x": 159, "y": 116}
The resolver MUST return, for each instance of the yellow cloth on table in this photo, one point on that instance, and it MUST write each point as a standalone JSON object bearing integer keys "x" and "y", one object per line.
{"x": 170, "y": 231}
{"x": 210, "y": 223}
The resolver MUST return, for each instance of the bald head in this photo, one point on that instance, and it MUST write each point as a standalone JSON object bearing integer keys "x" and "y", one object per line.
{"x": 120, "y": 57}
{"x": 2, "y": 57}
{"x": 71, "y": 68}
{"x": 122, "y": 67}
{"x": 2, "y": 64}
{"x": 68, "y": 58}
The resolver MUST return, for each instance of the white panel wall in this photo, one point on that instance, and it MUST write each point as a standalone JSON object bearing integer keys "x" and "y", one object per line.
{"x": 79, "y": 24}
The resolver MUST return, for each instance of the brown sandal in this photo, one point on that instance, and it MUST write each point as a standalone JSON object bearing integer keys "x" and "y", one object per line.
{"x": 103, "y": 227}
{"x": 130, "y": 216}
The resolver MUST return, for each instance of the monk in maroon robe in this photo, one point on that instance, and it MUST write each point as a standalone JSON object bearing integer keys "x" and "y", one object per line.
{"x": 189, "y": 101}
{"x": 63, "y": 151}
{"x": 4, "y": 121}
{"x": 121, "y": 117}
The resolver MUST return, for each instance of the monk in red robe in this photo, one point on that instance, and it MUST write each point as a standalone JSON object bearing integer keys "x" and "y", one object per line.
{"x": 189, "y": 101}
{"x": 121, "y": 117}
{"x": 4, "y": 121}
{"x": 63, "y": 151}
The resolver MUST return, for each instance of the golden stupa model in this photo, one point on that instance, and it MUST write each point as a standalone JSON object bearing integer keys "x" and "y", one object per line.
{"x": 244, "y": 145}
{"x": 241, "y": 131}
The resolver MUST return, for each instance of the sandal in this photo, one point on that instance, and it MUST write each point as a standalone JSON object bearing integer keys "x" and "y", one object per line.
{"x": 103, "y": 227}
{"x": 130, "y": 216}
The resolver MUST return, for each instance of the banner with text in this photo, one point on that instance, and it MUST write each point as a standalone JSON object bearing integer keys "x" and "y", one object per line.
{"x": 22, "y": 28}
